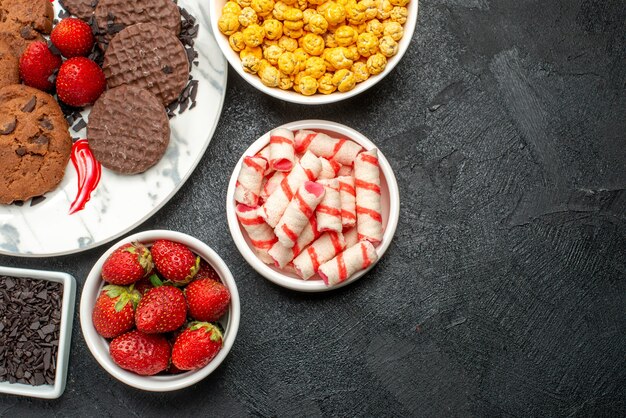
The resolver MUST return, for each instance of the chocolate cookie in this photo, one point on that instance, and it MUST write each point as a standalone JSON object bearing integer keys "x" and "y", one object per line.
{"x": 9, "y": 65}
{"x": 35, "y": 143}
{"x": 114, "y": 15}
{"x": 128, "y": 130}
{"x": 82, "y": 9}
{"x": 15, "y": 15}
{"x": 147, "y": 56}
{"x": 20, "y": 41}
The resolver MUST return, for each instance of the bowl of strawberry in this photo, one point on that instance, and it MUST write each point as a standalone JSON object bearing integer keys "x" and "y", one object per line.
{"x": 160, "y": 310}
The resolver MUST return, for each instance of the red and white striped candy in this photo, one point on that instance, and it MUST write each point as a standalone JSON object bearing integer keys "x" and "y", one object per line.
{"x": 351, "y": 236}
{"x": 261, "y": 235}
{"x": 283, "y": 255}
{"x": 354, "y": 259}
{"x": 329, "y": 210}
{"x": 298, "y": 212}
{"x": 368, "y": 205}
{"x": 271, "y": 183}
{"x": 347, "y": 194}
{"x": 344, "y": 170}
{"x": 343, "y": 151}
{"x": 248, "y": 186}
{"x": 329, "y": 169}
{"x": 323, "y": 249}
{"x": 307, "y": 169}
{"x": 265, "y": 154}
{"x": 282, "y": 152}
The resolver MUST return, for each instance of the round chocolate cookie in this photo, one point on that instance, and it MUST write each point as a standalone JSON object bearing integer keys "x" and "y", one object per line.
{"x": 9, "y": 65}
{"x": 15, "y": 15}
{"x": 128, "y": 130}
{"x": 35, "y": 143}
{"x": 20, "y": 41}
{"x": 82, "y": 9}
{"x": 147, "y": 56}
{"x": 114, "y": 15}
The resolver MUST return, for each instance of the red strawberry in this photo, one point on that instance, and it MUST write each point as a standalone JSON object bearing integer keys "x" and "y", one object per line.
{"x": 207, "y": 299}
{"x": 72, "y": 37}
{"x": 80, "y": 82}
{"x": 175, "y": 261}
{"x": 161, "y": 309}
{"x": 127, "y": 264}
{"x": 206, "y": 272}
{"x": 196, "y": 346}
{"x": 37, "y": 65}
{"x": 114, "y": 313}
{"x": 141, "y": 353}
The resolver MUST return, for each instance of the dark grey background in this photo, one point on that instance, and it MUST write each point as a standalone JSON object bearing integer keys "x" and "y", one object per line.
{"x": 503, "y": 293}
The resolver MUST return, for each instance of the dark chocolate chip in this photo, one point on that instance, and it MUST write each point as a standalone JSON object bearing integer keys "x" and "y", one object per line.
{"x": 27, "y": 33}
{"x": 21, "y": 151}
{"x": 41, "y": 140}
{"x": 37, "y": 200}
{"x": 46, "y": 124}
{"x": 30, "y": 105}
{"x": 9, "y": 127}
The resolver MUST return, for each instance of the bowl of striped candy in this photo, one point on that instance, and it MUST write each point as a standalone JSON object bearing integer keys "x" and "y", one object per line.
{"x": 313, "y": 205}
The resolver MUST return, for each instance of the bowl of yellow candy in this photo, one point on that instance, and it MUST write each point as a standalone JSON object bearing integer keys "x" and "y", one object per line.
{"x": 313, "y": 51}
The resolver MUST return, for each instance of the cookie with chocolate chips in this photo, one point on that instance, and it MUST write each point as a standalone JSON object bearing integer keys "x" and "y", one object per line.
{"x": 35, "y": 143}
{"x": 20, "y": 41}
{"x": 9, "y": 66}
{"x": 16, "y": 15}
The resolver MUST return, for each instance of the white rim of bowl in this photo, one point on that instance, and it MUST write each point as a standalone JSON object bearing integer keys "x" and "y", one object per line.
{"x": 296, "y": 283}
{"x": 164, "y": 383}
{"x": 317, "y": 99}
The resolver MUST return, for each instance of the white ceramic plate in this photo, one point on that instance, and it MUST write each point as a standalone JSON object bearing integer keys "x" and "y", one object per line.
{"x": 390, "y": 199}
{"x": 120, "y": 203}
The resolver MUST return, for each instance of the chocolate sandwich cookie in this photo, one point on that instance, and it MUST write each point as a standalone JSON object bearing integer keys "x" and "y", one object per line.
{"x": 9, "y": 66}
{"x": 128, "y": 130}
{"x": 147, "y": 56}
{"x": 15, "y": 15}
{"x": 35, "y": 143}
{"x": 82, "y": 9}
{"x": 114, "y": 15}
{"x": 20, "y": 41}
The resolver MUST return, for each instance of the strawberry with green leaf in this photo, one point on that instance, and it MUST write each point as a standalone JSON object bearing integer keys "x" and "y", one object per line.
{"x": 114, "y": 312}
{"x": 196, "y": 346}
{"x": 128, "y": 264}
{"x": 175, "y": 261}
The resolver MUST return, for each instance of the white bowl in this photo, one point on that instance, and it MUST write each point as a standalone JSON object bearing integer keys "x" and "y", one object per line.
{"x": 291, "y": 96}
{"x": 390, "y": 209}
{"x": 99, "y": 346}
{"x": 65, "y": 334}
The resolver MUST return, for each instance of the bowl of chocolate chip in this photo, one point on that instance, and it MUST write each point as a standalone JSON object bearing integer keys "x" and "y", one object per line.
{"x": 36, "y": 315}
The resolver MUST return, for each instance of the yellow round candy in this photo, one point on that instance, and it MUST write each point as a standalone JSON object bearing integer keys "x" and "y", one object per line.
{"x": 250, "y": 64}
{"x": 292, "y": 14}
{"x": 236, "y": 41}
{"x": 307, "y": 85}
{"x": 370, "y": 7}
{"x": 287, "y": 43}
{"x": 367, "y": 44}
{"x": 388, "y": 47}
{"x": 279, "y": 10}
{"x": 273, "y": 29}
{"x": 353, "y": 53}
{"x": 243, "y": 3}
{"x": 344, "y": 80}
{"x": 301, "y": 57}
{"x": 262, "y": 7}
{"x": 285, "y": 82}
{"x": 325, "y": 84}
{"x": 231, "y": 7}
{"x": 337, "y": 58}
{"x": 272, "y": 53}
{"x": 335, "y": 14}
{"x": 345, "y": 35}
{"x": 393, "y": 29}
{"x": 248, "y": 17}
{"x": 293, "y": 25}
{"x": 313, "y": 44}
{"x": 374, "y": 27}
{"x": 253, "y": 35}
{"x": 256, "y": 51}
{"x": 355, "y": 13}
{"x": 376, "y": 63}
{"x": 329, "y": 40}
{"x": 306, "y": 15}
{"x": 228, "y": 24}
{"x": 288, "y": 63}
{"x": 399, "y": 14}
{"x": 360, "y": 71}
{"x": 270, "y": 76}
{"x": 384, "y": 9}
{"x": 315, "y": 67}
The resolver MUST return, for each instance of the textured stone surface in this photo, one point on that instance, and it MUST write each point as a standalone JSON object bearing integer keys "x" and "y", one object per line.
{"x": 503, "y": 293}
